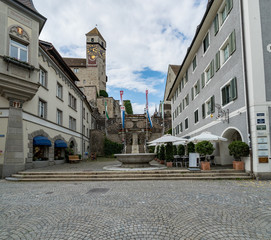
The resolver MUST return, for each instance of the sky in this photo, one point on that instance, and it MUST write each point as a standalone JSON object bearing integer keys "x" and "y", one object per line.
{"x": 143, "y": 37}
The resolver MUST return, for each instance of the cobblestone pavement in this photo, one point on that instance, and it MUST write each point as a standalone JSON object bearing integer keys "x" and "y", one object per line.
{"x": 136, "y": 210}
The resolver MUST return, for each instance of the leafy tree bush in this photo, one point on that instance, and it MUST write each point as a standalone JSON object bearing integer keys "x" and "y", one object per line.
{"x": 128, "y": 107}
{"x": 190, "y": 147}
{"x": 162, "y": 152}
{"x": 238, "y": 149}
{"x": 103, "y": 93}
{"x": 111, "y": 148}
{"x": 169, "y": 152}
{"x": 169, "y": 131}
{"x": 158, "y": 151}
{"x": 174, "y": 150}
{"x": 151, "y": 149}
{"x": 204, "y": 148}
{"x": 181, "y": 150}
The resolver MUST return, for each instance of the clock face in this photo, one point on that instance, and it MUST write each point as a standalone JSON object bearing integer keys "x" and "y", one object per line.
{"x": 92, "y": 52}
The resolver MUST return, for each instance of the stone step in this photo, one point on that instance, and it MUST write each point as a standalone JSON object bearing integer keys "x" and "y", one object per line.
{"x": 237, "y": 177}
{"x": 120, "y": 175}
{"x": 229, "y": 171}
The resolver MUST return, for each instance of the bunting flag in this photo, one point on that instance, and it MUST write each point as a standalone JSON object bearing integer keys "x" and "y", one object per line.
{"x": 147, "y": 99}
{"x": 123, "y": 116}
{"x": 148, "y": 115}
{"x": 106, "y": 112}
{"x": 122, "y": 110}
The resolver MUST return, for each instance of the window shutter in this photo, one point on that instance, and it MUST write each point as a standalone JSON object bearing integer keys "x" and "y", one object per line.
{"x": 213, "y": 104}
{"x": 233, "y": 88}
{"x": 192, "y": 93}
{"x": 187, "y": 99}
{"x": 186, "y": 75}
{"x": 217, "y": 61}
{"x": 203, "y": 110}
{"x": 203, "y": 80}
{"x": 224, "y": 100}
{"x": 212, "y": 68}
{"x": 229, "y": 6}
{"x": 198, "y": 87}
{"x": 216, "y": 24}
{"x": 183, "y": 104}
{"x": 232, "y": 42}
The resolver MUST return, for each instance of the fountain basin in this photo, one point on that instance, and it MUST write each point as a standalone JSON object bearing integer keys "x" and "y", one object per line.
{"x": 135, "y": 160}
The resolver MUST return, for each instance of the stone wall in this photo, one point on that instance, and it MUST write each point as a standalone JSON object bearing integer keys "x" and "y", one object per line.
{"x": 97, "y": 142}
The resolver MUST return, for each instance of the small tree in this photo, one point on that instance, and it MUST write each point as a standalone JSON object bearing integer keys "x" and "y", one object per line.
{"x": 162, "y": 152}
{"x": 103, "y": 93}
{"x": 158, "y": 151}
{"x": 128, "y": 107}
{"x": 111, "y": 148}
{"x": 151, "y": 149}
{"x": 181, "y": 150}
{"x": 169, "y": 131}
{"x": 204, "y": 148}
{"x": 190, "y": 147}
{"x": 169, "y": 152}
{"x": 238, "y": 149}
{"x": 174, "y": 150}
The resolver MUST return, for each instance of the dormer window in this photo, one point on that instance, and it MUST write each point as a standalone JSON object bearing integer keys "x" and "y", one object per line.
{"x": 92, "y": 39}
{"x": 18, "y": 51}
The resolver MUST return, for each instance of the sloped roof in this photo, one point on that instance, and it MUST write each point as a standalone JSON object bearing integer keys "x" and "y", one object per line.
{"x": 58, "y": 60}
{"x": 175, "y": 68}
{"x": 75, "y": 62}
{"x": 29, "y": 4}
{"x": 95, "y": 32}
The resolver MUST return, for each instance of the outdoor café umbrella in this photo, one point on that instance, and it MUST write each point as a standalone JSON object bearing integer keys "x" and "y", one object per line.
{"x": 180, "y": 143}
{"x": 207, "y": 136}
{"x": 167, "y": 138}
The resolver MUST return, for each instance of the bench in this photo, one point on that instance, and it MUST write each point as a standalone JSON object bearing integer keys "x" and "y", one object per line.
{"x": 74, "y": 158}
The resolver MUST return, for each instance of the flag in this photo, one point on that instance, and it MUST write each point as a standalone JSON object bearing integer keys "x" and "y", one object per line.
{"x": 106, "y": 112}
{"x": 148, "y": 115}
{"x": 123, "y": 116}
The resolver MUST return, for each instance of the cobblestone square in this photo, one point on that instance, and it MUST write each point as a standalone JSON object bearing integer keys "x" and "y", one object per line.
{"x": 136, "y": 210}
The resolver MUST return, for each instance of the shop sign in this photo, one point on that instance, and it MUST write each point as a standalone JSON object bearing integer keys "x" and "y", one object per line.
{"x": 261, "y": 127}
{"x": 263, "y": 159}
{"x": 260, "y": 114}
{"x": 261, "y": 121}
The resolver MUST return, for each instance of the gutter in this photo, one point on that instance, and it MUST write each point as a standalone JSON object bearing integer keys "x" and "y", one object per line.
{"x": 246, "y": 85}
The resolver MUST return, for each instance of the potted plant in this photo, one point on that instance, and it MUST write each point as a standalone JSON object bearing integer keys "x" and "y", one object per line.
{"x": 238, "y": 149}
{"x": 162, "y": 154}
{"x": 190, "y": 148}
{"x": 204, "y": 148}
{"x": 181, "y": 150}
{"x": 169, "y": 154}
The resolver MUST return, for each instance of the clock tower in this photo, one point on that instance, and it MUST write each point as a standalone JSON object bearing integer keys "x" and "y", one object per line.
{"x": 95, "y": 58}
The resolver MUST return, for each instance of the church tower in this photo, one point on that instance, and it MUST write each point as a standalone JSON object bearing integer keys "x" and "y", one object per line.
{"x": 95, "y": 58}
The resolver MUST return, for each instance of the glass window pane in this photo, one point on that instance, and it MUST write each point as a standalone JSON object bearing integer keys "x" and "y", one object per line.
{"x": 23, "y": 55}
{"x": 14, "y": 51}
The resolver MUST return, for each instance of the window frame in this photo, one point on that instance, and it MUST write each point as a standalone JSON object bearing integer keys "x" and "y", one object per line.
{"x": 196, "y": 116}
{"x": 207, "y": 36}
{"x": 42, "y": 108}
{"x": 186, "y": 123}
{"x": 72, "y": 102}
{"x": 59, "y": 86}
{"x": 18, "y": 45}
{"x": 43, "y": 80}
{"x": 72, "y": 123}
{"x": 194, "y": 63}
{"x": 59, "y": 113}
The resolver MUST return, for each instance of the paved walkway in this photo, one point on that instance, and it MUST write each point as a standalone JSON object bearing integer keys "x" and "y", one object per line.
{"x": 200, "y": 210}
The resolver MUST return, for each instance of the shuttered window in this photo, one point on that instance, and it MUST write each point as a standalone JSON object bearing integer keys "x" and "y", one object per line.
{"x": 229, "y": 92}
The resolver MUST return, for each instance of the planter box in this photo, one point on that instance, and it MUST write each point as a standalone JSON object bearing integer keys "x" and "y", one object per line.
{"x": 205, "y": 166}
{"x": 169, "y": 164}
{"x": 238, "y": 165}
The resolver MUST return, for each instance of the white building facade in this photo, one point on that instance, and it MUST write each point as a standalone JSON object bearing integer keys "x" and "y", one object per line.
{"x": 223, "y": 85}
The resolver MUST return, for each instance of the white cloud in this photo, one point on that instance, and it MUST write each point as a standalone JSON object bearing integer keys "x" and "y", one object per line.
{"x": 139, "y": 34}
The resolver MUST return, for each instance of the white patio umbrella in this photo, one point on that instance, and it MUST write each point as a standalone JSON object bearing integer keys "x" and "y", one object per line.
{"x": 180, "y": 143}
{"x": 207, "y": 136}
{"x": 167, "y": 139}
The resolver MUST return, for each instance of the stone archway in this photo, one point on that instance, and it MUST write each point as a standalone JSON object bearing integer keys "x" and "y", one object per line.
{"x": 30, "y": 145}
{"x": 232, "y": 134}
{"x": 73, "y": 142}
{"x": 58, "y": 137}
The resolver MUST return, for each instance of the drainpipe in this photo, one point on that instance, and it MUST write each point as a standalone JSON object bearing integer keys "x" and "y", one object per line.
{"x": 246, "y": 85}
{"x": 82, "y": 124}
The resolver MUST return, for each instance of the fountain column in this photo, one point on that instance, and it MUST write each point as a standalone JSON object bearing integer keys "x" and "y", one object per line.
{"x": 135, "y": 147}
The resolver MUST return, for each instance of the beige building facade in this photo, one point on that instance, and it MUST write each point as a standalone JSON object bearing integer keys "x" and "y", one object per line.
{"x": 42, "y": 111}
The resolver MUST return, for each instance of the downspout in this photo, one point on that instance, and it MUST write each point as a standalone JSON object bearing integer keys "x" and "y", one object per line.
{"x": 246, "y": 86}
{"x": 82, "y": 134}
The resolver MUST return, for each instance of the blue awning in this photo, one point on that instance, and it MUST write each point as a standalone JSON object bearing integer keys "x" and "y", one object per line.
{"x": 60, "y": 144}
{"x": 41, "y": 141}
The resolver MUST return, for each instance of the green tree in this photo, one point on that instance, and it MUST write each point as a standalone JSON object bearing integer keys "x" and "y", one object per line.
{"x": 190, "y": 147}
{"x": 111, "y": 148}
{"x": 103, "y": 93}
{"x": 169, "y": 152}
{"x": 204, "y": 148}
{"x": 128, "y": 107}
{"x": 158, "y": 151}
{"x": 174, "y": 150}
{"x": 181, "y": 150}
{"x": 238, "y": 149}
{"x": 162, "y": 152}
